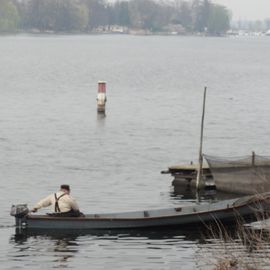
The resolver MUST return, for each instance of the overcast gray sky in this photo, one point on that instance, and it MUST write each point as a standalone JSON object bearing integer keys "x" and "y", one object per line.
{"x": 247, "y": 9}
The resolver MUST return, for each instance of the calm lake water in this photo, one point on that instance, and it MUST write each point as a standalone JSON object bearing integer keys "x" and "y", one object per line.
{"x": 50, "y": 134}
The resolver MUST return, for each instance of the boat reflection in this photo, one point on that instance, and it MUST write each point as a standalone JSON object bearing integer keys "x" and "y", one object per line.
{"x": 66, "y": 238}
{"x": 63, "y": 247}
{"x": 197, "y": 233}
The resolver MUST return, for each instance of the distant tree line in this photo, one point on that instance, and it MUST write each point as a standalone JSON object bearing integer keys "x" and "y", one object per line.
{"x": 252, "y": 26}
{"x": 197, "y": 16}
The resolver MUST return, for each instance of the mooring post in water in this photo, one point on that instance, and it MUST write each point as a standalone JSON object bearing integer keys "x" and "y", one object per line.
{"x": 199, "y": 172}
{"x": 101, "y": 97}
{"x": 253, "y": 158}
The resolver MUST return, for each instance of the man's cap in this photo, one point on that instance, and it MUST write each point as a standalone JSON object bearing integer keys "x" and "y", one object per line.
{"x": 66, "y": 187}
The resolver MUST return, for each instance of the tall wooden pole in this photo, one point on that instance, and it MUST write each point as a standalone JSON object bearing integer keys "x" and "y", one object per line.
{"x": 199, "y": 172}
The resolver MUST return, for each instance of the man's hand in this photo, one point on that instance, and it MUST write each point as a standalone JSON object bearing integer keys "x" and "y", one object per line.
{"x": 34, "y": 210}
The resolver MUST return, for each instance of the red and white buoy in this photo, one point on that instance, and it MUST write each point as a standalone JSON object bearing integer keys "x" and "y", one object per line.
{"x": 101, "y": 97}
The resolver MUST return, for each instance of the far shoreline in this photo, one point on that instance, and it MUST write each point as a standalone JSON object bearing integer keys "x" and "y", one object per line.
{"x": 161, "y": 34}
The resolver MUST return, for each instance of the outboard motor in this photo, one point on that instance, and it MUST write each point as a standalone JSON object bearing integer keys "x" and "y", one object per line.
{"x": 19, "y": 210}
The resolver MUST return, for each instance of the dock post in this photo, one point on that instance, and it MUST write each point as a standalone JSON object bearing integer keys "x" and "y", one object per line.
{"x": 101, "y": 97}
{"x": 199, "y": 172}
{"x": 253, "y": 158}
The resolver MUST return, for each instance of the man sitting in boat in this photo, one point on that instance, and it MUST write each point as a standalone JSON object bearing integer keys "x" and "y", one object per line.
{"x": 63, "y": 204}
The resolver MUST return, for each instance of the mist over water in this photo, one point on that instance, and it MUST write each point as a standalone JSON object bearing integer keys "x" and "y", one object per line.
{"x": 51, "y": 134}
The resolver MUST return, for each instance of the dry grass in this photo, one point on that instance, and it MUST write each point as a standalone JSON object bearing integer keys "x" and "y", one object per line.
{"x": 247, "y": 250}
{"x": 227, "y": 264}
{"x": 240, "y": 247}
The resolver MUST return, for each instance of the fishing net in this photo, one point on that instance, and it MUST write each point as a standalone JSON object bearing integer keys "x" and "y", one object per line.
{"x": 246, "y": 175}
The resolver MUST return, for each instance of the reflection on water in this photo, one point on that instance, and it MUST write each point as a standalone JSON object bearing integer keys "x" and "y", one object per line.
{"x": 151, "y": 233}
{"x": 189, "y": 193}
{"x": 101, "y": 115}
{"x": 122, "y": 249}
{"x": 61, "y": 248}
{"x": 199, "y": 249}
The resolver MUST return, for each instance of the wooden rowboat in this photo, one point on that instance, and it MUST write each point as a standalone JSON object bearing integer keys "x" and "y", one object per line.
{"x": 227, "y": 211}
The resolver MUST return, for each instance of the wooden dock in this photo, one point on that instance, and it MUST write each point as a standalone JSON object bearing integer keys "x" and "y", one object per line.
{"x": 232, "y": 177}
{"x": 187, "y": 174}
